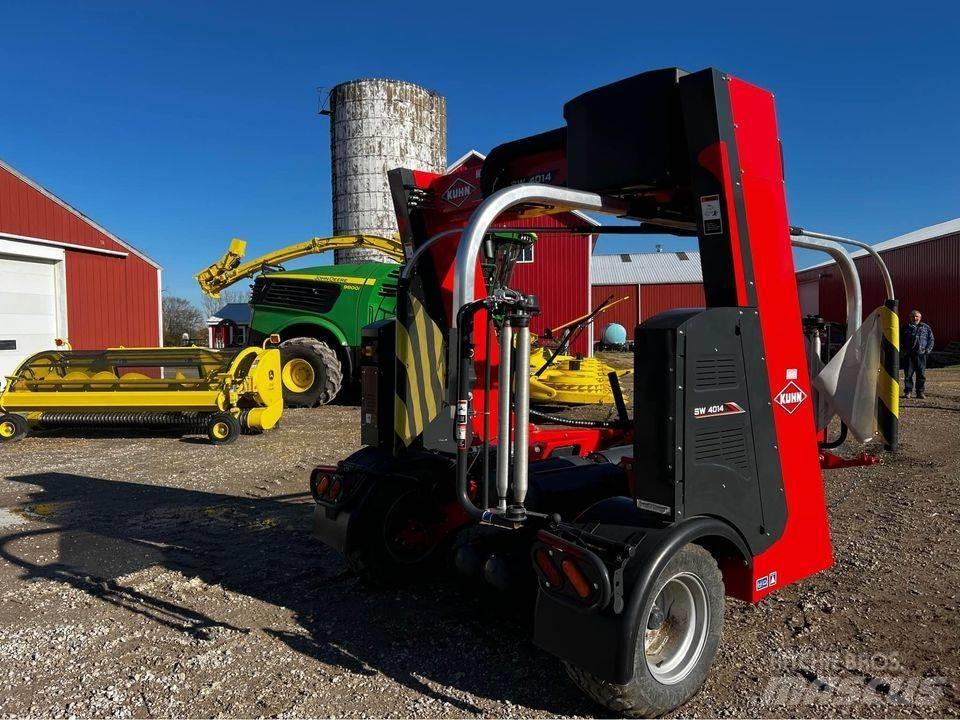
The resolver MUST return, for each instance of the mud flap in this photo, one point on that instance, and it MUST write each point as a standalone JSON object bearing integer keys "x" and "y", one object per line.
{"x": 331, "y": 527}
{"x": 599, "y": 640}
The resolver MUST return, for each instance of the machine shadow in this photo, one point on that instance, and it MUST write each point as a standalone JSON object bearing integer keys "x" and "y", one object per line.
{"x": 440, "y": 638}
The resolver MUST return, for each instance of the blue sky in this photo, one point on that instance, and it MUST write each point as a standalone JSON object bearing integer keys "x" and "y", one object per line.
{"x": 179, "y": 125}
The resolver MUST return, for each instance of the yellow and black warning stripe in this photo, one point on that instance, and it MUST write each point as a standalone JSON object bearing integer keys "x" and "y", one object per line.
{"x": 888, "y": 384}
{"x": 420, "y": 372}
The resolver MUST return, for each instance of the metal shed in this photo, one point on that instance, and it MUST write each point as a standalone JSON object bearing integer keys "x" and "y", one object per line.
{"x": 925, "y": 266}
{"x": 652, "y": 282}
{"x": 62, "y": 275}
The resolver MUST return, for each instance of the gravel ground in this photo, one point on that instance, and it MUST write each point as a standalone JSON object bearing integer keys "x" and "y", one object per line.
{"x": 159, "y": 576}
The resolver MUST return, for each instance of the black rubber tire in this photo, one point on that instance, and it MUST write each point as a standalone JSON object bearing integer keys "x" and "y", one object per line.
{"x": 369, "y": 552}
{"x": 327, "y": 369}
{"x": 644, "y": 696}
{"x": 232, "y": 424}
{"x": 20, "y": 427}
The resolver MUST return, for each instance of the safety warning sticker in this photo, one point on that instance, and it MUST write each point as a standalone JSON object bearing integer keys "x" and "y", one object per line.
{"x": 710, "y": 212}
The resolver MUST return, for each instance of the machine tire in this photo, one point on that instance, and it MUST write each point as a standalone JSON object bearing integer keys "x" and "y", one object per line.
{"x": 372, "y": 557}
{"x": 13, "y": 427}
{"x": 646, "y": 695}
{"x": 326, "y": 372}
{"x": 222, "y": 428}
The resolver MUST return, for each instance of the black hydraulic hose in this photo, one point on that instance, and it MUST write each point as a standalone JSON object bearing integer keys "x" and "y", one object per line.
{"x": 487, "y": 382}
{"x": 557, "y": 420}
{"x": 462, "y": 432}
{"x": 839, "y": 441}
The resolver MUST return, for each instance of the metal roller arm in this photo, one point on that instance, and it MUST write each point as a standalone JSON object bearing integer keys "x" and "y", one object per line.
{"x": 484, "y": 216}
{"x": 848, "y": 272}
{"x": 884, "y": 270}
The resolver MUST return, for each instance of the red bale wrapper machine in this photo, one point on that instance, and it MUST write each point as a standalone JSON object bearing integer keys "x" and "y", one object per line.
{"x": 632, "y": 531}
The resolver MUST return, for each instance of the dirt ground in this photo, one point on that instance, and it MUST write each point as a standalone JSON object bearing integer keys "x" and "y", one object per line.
{"x": 155, "y": 576}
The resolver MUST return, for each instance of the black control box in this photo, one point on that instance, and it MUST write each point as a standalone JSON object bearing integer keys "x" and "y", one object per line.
{"x": 377, "y": 372}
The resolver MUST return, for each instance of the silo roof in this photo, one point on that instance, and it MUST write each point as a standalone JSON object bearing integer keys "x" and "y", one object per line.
{"x": 646, "y": 268}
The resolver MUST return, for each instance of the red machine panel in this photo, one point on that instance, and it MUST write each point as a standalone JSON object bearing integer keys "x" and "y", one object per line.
{"x": 804, "y": 548}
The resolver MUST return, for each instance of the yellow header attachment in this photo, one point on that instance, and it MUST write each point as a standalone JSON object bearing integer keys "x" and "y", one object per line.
{"x": 229, "y": 269}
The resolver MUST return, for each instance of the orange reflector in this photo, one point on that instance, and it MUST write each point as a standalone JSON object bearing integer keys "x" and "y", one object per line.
{"x": 576, "y": 578}
{"x": 335, "y": 487}
{"x": 549, "y": 570}
{"x": 323, "y": 484}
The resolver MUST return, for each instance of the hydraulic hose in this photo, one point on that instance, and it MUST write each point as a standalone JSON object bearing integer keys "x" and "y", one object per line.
{"x": 462, "y": 431}
{"x": 557, "y": 420}
{"x": 839, "y": 441}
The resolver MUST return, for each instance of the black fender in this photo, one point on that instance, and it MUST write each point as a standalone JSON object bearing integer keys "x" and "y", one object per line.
{"x": 334, "y": 523}
{"x": 603, "y": 642}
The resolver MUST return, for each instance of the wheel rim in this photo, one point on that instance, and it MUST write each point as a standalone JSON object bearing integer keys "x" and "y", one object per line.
{"x": 7, "y": 429}
{"x": 409, "y": 530}
{"x": 220, "y": 430}
{"x": 298, "y": 375}
{"x": 673, "y": 649}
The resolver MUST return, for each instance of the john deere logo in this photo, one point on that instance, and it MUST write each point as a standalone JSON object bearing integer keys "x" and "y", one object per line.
{"x": 458, "y": 192}
{"x": 791, "y": 397}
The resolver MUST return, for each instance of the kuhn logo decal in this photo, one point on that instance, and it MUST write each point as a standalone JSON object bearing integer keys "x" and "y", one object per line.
{"x": 791, "y": 397}
{"x": 718, "y": 410}
{"x": 458, "y": 192}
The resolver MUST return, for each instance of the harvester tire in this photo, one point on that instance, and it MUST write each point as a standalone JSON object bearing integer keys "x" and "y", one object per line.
{"x": 311, "y": 372}
{"x": 12, "y": 427}
{"x": 222, "y": 428}
{"x": 668, "y": 671}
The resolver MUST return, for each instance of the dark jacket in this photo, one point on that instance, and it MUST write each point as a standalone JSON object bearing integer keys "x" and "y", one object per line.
{"x": 916, "y": 339}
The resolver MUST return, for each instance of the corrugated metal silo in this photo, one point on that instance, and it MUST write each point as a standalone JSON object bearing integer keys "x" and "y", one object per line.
{"x": 377, "y": 125}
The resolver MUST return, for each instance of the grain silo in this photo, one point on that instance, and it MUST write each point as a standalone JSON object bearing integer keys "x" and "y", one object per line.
{"x": 377, "y": 125}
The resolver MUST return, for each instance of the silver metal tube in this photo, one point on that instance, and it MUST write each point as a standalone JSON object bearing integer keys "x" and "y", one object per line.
{"x": 503, "y": 439}
{"x": 814, "y": 347}
{"x": 848, "y": 272}
{"x": 471, "y": 241}
{"x": 884, "y": 270}
{"x": 521, "y": 422}
{"x": 411, "y": 262}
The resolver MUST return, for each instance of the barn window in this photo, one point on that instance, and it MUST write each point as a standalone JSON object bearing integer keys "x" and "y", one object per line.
{"x": 526, "y": 254}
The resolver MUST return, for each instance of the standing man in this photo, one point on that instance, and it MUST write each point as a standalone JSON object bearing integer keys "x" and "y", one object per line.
{"x": 916, "y": 343}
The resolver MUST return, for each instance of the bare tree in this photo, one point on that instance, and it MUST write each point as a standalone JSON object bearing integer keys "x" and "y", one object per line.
{"x": 211, "y": 305}
{"x": 181, "y": 316}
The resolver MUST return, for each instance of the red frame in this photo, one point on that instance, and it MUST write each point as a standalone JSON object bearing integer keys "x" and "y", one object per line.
{"x": 804, "y": 547}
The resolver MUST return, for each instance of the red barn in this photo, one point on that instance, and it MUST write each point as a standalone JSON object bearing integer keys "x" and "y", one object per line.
{"x": 650, "y": 282}
{"x": 925, "y": 267}
{"x": 557, "y": 268}
{"x": 64, "y": 276}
